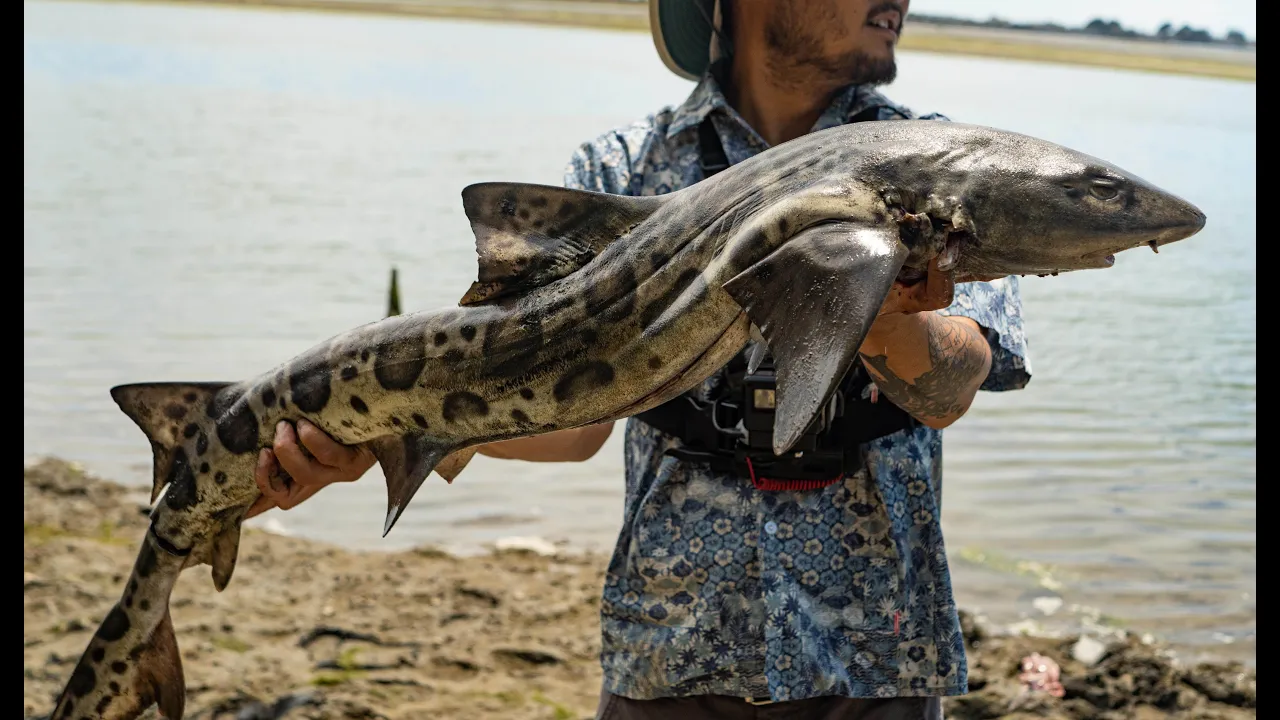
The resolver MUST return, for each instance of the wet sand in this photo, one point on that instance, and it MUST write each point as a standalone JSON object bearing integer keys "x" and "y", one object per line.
{"x": 307, "y": 630}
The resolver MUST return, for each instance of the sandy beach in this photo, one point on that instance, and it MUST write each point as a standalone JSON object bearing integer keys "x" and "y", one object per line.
{"x": 310, "y": 631}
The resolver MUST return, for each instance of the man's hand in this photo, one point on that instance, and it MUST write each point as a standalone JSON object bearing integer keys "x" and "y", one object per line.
{"x": 310, "y": 460}
{"x": 928, "y": 364}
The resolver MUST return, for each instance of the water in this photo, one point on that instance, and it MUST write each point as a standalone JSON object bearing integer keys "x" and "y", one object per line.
{"x": 208, "y": 191}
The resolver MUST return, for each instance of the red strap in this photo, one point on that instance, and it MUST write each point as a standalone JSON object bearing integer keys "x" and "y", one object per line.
{"x": 764, "y": 483}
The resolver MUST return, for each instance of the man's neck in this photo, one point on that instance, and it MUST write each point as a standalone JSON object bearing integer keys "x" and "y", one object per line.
{"x": 778, "y": 113}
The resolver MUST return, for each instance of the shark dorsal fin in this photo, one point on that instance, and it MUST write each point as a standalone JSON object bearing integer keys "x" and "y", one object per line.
{"x": 528, "y": 236}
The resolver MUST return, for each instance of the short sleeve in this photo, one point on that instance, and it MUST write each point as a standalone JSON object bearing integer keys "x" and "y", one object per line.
{"x": 997, "y": 308}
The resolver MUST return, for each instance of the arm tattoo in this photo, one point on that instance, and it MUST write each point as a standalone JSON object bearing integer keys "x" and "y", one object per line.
{"x": 955, "y": 358}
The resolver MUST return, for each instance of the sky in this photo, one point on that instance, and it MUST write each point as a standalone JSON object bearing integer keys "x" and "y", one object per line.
{"x": 1144, "y": 15}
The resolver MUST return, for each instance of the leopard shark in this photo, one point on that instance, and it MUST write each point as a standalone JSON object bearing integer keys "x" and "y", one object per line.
{"x": 590, "y": 307}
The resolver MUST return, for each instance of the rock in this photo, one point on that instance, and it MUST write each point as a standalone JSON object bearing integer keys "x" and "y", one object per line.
{"x": 1088, "y": 651}
{"x": 535, "y": 545}
{"x": 530, "y": 655}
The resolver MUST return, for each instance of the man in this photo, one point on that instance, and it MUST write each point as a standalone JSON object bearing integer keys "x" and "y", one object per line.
{"x": 727, "y": 596}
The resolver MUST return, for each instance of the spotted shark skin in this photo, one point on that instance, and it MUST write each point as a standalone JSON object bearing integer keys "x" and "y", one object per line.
{"x": 590, "y": 307}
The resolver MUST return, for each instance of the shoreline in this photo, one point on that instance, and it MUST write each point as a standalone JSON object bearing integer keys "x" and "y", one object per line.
{"x": 336, "y": 633}
{"x": 1185, "y": 59}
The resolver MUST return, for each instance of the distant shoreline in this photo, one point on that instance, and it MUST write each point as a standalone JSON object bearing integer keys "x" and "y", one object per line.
{"x": 1089, "y": 51}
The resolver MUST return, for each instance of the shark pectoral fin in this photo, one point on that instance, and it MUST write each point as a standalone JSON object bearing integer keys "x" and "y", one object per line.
{"x": 814, "y": 299}
{"x": 454, "y": 463}
{"x": 406, "y": 462}
{"x": 162, "y": 411}
{"x": 226, "y": 546}
{"x": 528, "y": 236}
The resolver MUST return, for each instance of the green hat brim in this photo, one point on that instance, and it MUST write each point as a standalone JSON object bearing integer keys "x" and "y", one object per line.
{"x": 681, "y": 32}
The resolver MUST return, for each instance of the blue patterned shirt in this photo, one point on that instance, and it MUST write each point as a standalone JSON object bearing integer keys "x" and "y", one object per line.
{"x": 716, "y": 587}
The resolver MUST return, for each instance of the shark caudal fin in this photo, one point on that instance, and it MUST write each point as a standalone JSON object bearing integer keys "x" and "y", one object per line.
{"x": 528, "y": 236}
{"x": 132, "y": 660}
{"x": 167, "y": 413}
{"x": 813, "y": 300}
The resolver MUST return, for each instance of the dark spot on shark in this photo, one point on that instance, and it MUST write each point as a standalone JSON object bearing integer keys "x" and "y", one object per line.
{"x": 220, "y": 477}
{"x": 583, "y": 378}
{"x": 204, "y": 468}
{"x": 364, "y": 355}
{"x": 358, "y": 405}
{"x": 452, "y": 356}
{"x": 398, "y": 363}
{"x": 783, "y": 226}
{"x": 82, "y": 680}
{"x": 538, "y": 201}
{"x": 238, "y": 429}
{"x": 523, "y": 214}
{"x": 190, "y": 430}
{"x": 202, "y": 444}
{"x": 120, "y": 667}
{"x": 115, "y": 626}
{"x": 146, "y": 560}
{"x": 658, "y": 259}
{"x": 175, "y": 411}
{"x": 113, "y": 686}
{"x": 420, "y": 421}
{"x": 128, "y": 601}
{"x": 566, "y": 209}
{"x": 268, "y": 398}
{"x": 526, "y": 393}
{"x": 348, "y": 373}
{"x": 182, "y": 483}
{"x": 309, "y": 385}
{"x": 98, "y": 654}
{"x": 588, "y": 337}
{"x": 655, "y": 362}
{"x": 396, "y": 421}
{"x": 283, "y": 404}
{"x": 519, "y": 416}
{"x": 103, "y": 704}
{"x": 347, "y": 424}
{"x": 468, "y": 332}
{"x": 462, "y": 405}
{"x": 134, "y": 654}
{"x": 144, "y": 605}
{"x": 190, "y": 397}
{"x": 441, "y": 338}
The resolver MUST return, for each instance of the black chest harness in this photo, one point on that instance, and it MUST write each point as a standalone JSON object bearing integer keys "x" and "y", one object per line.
{"x": 732, "y": 431}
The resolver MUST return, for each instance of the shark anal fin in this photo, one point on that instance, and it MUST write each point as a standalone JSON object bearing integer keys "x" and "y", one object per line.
{"x": 813, "y": 300}
{"x": 406, "y": 461}
{"x": 528, "y": 236}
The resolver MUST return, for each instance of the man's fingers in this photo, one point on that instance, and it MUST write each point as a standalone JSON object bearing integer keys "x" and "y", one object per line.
{"x": 324, "y": 448}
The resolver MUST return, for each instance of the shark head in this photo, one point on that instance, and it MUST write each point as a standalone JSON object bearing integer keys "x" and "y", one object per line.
{"x": 1040, "y": 208}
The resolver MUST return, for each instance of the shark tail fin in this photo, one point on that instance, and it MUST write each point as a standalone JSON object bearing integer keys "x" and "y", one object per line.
{"x": 167, "y": 413}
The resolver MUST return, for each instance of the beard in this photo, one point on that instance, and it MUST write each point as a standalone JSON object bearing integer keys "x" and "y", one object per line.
{"x": 796, "y": 57}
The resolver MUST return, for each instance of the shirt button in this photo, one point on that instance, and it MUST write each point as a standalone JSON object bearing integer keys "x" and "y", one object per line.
{"x": 771, "y": 527}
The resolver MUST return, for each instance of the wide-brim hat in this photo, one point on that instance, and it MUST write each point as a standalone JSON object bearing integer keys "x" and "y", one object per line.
{"x": 681, "y": 32}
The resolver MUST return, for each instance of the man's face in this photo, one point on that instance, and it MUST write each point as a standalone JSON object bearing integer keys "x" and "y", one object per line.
{"x": 835, "y": 41}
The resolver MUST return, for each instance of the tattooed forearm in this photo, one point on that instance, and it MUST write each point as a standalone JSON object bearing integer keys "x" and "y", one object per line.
{"x": 950, "y": 358}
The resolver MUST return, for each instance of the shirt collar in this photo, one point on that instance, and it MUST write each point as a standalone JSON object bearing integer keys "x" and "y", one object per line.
{"x": 708, "y": 97}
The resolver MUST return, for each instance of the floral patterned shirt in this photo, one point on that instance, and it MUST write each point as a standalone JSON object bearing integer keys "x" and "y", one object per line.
{"x": 716, "y": 587}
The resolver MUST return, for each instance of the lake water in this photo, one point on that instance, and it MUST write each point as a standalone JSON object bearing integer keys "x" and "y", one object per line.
{"x": 208, "y": 191}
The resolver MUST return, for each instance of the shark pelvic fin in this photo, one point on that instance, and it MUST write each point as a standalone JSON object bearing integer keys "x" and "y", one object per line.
{"x": 163, "y": 411}
{"x": 454, "y": 463}
{"x": 528, "y": 236}
{"x": 406, "y": 461}
{"x": 226, "y": 547}
{"x": 813, "y": 300}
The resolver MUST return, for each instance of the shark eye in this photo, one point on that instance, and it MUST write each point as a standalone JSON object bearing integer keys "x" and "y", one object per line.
{"x": 1104, "y": 191}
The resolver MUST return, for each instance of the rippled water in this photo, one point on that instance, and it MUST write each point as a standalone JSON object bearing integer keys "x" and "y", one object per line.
{"x": 209, "y": 191}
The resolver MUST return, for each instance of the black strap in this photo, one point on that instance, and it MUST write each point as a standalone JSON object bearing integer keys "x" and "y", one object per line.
{"x": 712, "y": 155}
